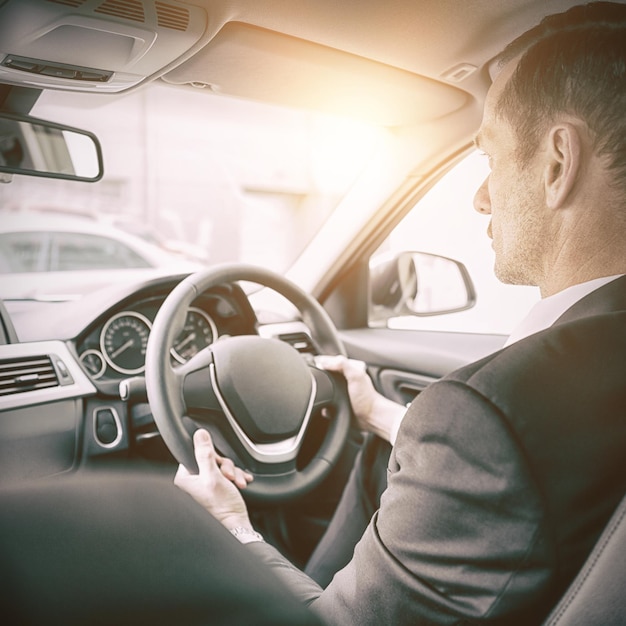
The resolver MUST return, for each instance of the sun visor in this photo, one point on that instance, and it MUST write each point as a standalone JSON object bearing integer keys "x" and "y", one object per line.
{"x": 104, "y": 46}
{"x": 251, "y": 62}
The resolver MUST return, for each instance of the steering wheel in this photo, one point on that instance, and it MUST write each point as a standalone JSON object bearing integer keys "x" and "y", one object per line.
{"x": 256, "y": 395}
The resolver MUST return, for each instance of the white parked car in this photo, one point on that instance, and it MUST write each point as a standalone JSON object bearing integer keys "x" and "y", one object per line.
{"x": 52, "y": 256}
{"x": 43, "y": 242}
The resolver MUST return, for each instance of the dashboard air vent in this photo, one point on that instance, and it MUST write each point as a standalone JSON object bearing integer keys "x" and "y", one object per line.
{"x": 300, "y": 341}
{"x": 26, "y": 374}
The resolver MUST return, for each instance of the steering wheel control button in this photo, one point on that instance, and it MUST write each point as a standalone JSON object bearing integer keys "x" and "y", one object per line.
{"x": 107, "y": 427}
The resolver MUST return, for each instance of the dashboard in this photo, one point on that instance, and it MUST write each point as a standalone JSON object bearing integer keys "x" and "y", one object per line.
{"x": 61, "y": 365}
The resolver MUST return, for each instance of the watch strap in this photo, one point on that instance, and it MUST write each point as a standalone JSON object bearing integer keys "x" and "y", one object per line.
{"x": 246, "y": 535}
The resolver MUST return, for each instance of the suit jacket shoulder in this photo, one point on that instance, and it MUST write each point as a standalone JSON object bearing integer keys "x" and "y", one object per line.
{"x": 561, "y": 395}
{"x": 503, "y": 475}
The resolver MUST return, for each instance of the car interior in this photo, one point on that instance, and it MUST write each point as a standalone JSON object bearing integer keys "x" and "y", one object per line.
{"x": 102, "y": 383}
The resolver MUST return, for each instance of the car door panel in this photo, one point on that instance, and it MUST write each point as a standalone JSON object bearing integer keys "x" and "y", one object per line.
{"x": 400, "y": 386}
{"x": 403, "y": 362}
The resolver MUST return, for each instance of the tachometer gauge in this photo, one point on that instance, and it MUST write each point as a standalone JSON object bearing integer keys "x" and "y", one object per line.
{"x": 199, "y": 332}
{"x": 93, "y": 362}
{"x": 123, "y": 342}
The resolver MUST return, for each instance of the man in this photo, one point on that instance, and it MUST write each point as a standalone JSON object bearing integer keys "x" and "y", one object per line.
{"x": 504, "y": 473}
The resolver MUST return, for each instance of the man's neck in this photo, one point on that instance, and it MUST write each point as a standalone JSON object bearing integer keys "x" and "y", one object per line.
{"x": 557, "y": 286}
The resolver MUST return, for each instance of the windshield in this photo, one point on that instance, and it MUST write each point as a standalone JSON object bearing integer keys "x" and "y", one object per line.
{"x": 202, "y": 177}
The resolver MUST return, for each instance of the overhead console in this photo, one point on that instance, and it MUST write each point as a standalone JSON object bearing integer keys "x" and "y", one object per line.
{"x": 100, "y": 45}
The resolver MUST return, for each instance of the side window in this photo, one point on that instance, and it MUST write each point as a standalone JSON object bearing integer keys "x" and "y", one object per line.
{"x": 23, "y": 252}
{"x": 445, "y": 223}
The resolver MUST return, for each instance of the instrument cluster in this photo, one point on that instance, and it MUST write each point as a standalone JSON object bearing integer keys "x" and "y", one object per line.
{"x": 117, "y": 347}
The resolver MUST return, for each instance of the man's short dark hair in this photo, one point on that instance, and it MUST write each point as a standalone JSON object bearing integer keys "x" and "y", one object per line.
{"x": 575, "y": 63}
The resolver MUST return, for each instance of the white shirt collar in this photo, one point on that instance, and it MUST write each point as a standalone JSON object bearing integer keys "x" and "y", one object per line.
{"x": 548, "y": 310}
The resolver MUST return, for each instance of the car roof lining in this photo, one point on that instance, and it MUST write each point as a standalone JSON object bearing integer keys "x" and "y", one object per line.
{"x": 395, "y": 63}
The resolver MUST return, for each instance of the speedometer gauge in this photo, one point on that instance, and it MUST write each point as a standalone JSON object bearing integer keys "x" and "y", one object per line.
{"x": 198, "y": 333}
{"x": 123, "y": 342}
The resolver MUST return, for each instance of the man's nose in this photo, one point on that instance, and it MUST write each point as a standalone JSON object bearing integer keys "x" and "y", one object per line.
{"x": 482, "y": 203}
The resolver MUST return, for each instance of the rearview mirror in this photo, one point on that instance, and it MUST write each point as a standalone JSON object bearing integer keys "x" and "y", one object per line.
{"x": 37, "y": 147}
{"x": 418, "y": 283}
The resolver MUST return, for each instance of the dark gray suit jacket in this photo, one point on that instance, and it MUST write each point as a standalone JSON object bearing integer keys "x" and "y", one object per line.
{"x": 502, "y": 477}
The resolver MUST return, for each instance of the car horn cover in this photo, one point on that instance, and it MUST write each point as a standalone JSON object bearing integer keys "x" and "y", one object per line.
{"x": 269, "y": 407}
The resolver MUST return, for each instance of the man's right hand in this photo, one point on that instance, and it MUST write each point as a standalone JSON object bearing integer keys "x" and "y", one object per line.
{"x": 374, "y": 412}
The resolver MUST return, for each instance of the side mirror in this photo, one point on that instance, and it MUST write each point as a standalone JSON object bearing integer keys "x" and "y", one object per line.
{"x": 418, "y": 283}
{"x": 37, "y": 147}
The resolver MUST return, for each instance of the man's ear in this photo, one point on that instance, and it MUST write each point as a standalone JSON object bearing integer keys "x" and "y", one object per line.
{"x": 563, "y": 163}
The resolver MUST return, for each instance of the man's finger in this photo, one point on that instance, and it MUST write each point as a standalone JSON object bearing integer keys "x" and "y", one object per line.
{"x": 228, "y": 468}
{"x": 353, "y": 367}
{"x": 240, "y": 477}
{"x": 339, "y": 363}
{"x": 203, "y": 450}
{"x": 334, "y": 363}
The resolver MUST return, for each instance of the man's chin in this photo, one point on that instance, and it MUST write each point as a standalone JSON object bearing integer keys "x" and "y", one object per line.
{"x": 509, "y": 277}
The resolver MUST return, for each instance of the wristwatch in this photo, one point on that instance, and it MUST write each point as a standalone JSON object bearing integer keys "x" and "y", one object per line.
{"x": 246, "y": 535}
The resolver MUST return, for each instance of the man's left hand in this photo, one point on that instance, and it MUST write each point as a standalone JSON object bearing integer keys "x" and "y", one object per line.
{"x": 216, "y": 486}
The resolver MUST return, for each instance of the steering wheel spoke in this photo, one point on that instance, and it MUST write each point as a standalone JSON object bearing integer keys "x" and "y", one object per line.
{"x": 196, "y": 384}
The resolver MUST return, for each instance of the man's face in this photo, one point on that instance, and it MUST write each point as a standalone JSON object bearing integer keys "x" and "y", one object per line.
{"x": 512, "y": 194}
